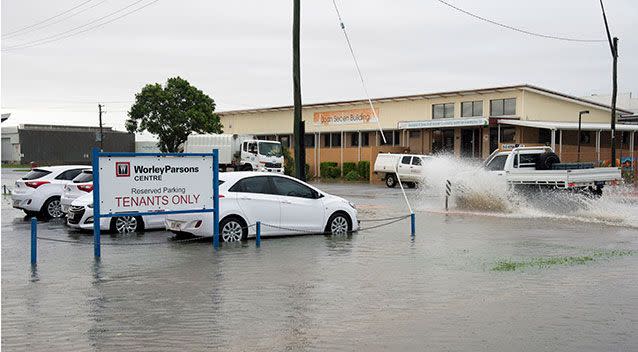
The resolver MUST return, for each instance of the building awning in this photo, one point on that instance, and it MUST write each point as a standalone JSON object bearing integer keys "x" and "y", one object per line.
{"x": 444, "y": 123}
{"x": 585, "y": 126}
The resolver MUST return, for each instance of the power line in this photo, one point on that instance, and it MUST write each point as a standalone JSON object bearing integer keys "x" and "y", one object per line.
{"x": 546, "y": 36}
{"x": 61, "y": 36}
{"x": 6, "y": 36}
{"x": 46, "y": 20}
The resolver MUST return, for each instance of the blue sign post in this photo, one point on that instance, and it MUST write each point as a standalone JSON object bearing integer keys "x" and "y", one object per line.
{"x": 97, "y": 214}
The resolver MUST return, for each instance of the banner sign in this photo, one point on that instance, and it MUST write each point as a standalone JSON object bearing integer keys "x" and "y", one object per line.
{"x": 345, "y": 117}
{"x": 150, "y": 183}
{"x": 441, "y": 123}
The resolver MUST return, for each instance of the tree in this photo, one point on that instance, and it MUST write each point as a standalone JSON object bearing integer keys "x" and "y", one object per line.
{"x": 172, "y": 113}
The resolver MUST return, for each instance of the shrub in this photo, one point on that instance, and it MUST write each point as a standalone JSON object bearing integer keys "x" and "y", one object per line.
{"x": 347, "y": 167}
{"x": 352, "y": 176}
{"x": 363, "y": 167}
{"x": 329, "y": 169}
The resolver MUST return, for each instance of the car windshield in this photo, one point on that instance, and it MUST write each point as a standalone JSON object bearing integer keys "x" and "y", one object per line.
{"x": 35, "y": 174}
{"x": 85, "y": 176}
{"x": 497, "y": 163}
{"x": 270, "y": 149}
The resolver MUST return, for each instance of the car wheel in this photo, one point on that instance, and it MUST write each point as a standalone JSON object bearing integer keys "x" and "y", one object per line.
{"x": 127, "y": 224}
{"x": 247, "y": 167}
{"x": 411, "y": 185}
{"x": 52, "y": 209}
{"x": 391, "y": 180}
{"x": 339, "y": 224}
{"x": 232, "y": 229}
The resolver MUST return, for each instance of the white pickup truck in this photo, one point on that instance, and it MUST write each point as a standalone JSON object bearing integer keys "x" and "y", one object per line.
{"x": 409, "y": 168}
{"x": 533, "y": 168}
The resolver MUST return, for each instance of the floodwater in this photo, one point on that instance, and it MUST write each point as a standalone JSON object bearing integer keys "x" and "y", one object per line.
{"x": 375, "y": 290}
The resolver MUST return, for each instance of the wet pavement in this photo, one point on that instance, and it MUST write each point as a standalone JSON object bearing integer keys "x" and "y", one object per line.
{"x": 375, "y": 290}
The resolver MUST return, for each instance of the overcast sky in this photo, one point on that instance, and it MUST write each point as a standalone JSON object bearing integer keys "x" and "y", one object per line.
{"x": 239, "y": 52}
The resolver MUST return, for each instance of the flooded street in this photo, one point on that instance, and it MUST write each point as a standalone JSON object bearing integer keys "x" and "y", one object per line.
{"x": 522, "y": 280}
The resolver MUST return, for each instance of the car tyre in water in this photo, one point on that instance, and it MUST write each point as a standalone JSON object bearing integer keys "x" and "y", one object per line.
{"x": 339, "y": 224}
{"x": 52, "y": 209}
{"x": 233, "y": 229}
{"x": 391, "y": 180}
{"x": 127, "y": 224}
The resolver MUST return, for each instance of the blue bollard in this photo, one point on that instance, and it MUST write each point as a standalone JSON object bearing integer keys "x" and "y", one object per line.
{"x": 34, "y": 241}
{"x": 413, "y": 224}
{"x": 258, "y": 234}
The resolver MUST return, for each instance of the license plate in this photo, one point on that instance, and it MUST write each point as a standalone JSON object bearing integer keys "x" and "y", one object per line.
{"x": 599, "y": 183}
{"x": 173, "y": 226}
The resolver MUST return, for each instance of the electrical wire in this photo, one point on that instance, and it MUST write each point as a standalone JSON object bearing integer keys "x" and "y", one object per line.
{"x": 61, "y": 36}
{"x": 546, "y": 36}
{"x": 7, "y": 36}
{"x": 46, "y": 20}
{"x": 356, "y": 64}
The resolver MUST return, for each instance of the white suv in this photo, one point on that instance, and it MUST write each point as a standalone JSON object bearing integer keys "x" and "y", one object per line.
{"x": 81, "y": 185}
{"x": 284, "y": 205}
{"x": 38, "y": 192}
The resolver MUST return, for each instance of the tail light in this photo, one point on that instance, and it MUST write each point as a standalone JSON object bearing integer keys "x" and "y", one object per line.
{"x": 220, "y": 196}
{"x": 35, "y": 184}
{"x": 571, "y": 184}
{"x": 85, "y": 188}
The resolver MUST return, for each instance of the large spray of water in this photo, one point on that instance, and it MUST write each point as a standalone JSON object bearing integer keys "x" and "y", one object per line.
{"x": 476, "y": 190}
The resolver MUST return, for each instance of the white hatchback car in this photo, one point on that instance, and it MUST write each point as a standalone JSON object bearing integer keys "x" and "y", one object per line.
{"x": 282, "y": 204}
{"x": 39, "y": 191}
{"x": 80, "y": 216}
{"x": 81, "y": 185}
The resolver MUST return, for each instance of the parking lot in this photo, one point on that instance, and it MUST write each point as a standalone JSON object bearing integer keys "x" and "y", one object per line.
{"x": 465, "y": 281}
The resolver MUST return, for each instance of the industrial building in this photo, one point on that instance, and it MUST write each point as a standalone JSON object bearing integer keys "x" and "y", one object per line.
{"x": 466, "y": 123}
{"x": 51, "y": 144}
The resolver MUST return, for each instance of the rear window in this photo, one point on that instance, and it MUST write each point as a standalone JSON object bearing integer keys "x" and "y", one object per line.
{"x": 35, "y": 174}
{"x": 83, "y": 177}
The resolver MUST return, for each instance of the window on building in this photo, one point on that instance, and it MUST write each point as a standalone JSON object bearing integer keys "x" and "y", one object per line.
{"x": 585, "y": 137}
{"x": 365, "y": 139}
{"x": 508, "y": 134}
{"x": 354, "y": 139}
{"x": 472, "y": 108}
{"x": 392, "y": 138}
{"x": 309, "y": 140}
{"x": 285, "y": 140}
{"x": 415, "y": 134}
{"x": 503, "y": 107}
{"x": 440, "y": 111}
{"x": 335, "y": 139}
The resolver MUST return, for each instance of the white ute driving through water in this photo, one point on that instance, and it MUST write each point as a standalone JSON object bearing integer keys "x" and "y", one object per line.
{"x": 408, "y": 167}
{"x": 535, "y": 168}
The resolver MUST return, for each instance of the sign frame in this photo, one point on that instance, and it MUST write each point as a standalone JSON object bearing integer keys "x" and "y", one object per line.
{"x": 97, "y": 214}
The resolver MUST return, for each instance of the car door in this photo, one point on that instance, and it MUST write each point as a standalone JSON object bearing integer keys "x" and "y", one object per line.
{"x": 416, "y": 168}
{"x": 301, "y": 208}
{"x": 256, "y": 199}
{"x": 405, "y": 166}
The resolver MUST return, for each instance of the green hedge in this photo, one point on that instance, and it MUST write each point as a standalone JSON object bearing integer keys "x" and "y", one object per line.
{"x": 363, "y": 167}
{"x": 352, "y": 176}
{"x": 329, "y": 169}
{"x": 348, "y": 167}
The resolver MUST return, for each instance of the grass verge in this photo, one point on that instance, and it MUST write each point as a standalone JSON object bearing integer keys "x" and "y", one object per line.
{"x": 541, "y": 263}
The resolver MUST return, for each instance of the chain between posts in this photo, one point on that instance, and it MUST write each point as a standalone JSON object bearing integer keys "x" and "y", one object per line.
{"x": 390, "y": 221}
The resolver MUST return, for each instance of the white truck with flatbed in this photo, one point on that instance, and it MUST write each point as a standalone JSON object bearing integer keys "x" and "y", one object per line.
{"x": 535, "y": 168}
{"x": 239, "y": 152}
{"x": 406, "y": 167}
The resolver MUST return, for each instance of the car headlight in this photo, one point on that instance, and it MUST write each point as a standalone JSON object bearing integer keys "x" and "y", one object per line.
{"x": 90, "y": 205}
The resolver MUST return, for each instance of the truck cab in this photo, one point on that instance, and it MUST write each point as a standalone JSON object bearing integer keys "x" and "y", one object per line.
{"x": 260, "y": 155}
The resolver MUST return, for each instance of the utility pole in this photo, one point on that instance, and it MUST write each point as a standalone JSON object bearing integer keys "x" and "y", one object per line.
{"x": 99, "y": 107}
{"x": 613, "y": 45}
{"x": 298, "y": 129}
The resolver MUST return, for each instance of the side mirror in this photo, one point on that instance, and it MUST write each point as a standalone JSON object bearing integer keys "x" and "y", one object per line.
{"x": 316, "y": 194}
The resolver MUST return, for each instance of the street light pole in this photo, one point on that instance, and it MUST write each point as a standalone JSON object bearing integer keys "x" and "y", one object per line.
{"x": 580, "y": 117}
{"x": 613, "y": 46}
{"x": 298, "y": 127}
{"x": 99, "y": 106}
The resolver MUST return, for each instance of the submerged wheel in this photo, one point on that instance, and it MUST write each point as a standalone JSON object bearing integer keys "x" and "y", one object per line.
{"x": 233, "y": 229}
{"x": 52, "y": 209}
{"x": 339, "y": 224}
{"x": 127, "y": 224}
{"x": 391, "y": 180}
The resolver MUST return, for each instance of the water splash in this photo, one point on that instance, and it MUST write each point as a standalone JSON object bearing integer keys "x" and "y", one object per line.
{"x": 477, "y": 191}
